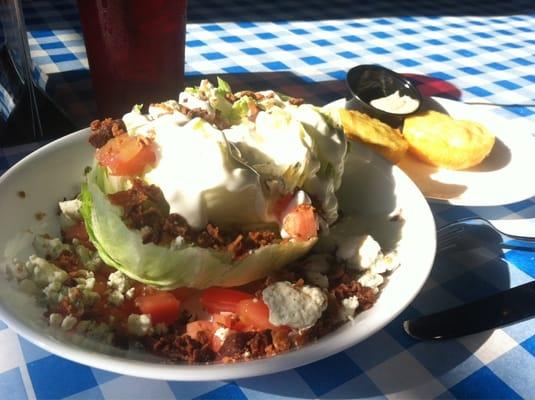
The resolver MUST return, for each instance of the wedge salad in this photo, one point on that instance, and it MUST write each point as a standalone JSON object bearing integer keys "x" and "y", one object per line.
{"x": 196, "y": 232}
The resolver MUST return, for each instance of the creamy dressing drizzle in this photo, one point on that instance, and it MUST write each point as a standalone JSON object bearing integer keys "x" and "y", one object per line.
{"x": 196, "y": 147}
{"x": 289, "y": 145}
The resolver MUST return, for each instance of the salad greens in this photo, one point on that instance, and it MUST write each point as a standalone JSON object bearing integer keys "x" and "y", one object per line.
{"x": 171, "y": 267}
{"x": 293, "y": 147}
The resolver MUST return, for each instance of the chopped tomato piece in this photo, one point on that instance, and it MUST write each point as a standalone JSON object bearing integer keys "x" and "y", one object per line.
{"x": 254, "y": 312}
{"x": 301, "y": 223}
{"x": 126, "y": 155}
{"x": 161, "y": 306}
{"x": 216, "y": 299}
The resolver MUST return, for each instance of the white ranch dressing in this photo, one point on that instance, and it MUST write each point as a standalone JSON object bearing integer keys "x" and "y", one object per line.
{"x": 395, "y": 104}
{"x": 193, "y": 171}
{"x": 285, "y": 145}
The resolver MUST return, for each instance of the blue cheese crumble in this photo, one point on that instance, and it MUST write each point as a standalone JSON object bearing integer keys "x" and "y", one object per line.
{"x": 294, "y": 306}
{"x": 140, "y": 324}
{"x": 121, "y": 287}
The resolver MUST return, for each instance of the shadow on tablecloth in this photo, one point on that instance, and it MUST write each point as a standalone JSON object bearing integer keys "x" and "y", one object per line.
{"x": 203, "y": 11}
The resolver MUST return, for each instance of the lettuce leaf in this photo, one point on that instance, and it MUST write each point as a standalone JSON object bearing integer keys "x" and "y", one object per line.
{"x": 171, "y": 267}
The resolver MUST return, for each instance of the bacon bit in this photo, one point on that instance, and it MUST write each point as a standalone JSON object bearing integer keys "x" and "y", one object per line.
{"x": 21, "y": 194}
{"x": 39, "y": 215}
{"x": 235, "y": 343}
{"x": 104, "y": 130}
{"x": 253, "y": 112}
{"x": 195, "y": 112}
{"x": 230, "y": 97}
{"x": 183, "y": 348}
{"x": 261, "y": 238}
{"x": 214, "y": 232}
{"x": 259, "y": 342}
{"x": 280, "y": 340}
{"x": 68, "y": 262}
{"x": 366, "y": 296}
{"x": 236, "y": 247}
{"x": 249, "y": 93}
{"x": 296, "y": 101}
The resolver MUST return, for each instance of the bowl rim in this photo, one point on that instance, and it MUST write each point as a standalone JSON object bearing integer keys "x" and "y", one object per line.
{"x": 406, "y": 82}
{"x": 337, "y": 341}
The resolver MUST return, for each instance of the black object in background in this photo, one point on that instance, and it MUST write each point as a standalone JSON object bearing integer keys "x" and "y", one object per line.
{"x": 27, "y": 113}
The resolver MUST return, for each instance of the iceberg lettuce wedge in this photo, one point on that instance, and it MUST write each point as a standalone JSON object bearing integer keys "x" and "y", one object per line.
{"x": 171, "y": 267}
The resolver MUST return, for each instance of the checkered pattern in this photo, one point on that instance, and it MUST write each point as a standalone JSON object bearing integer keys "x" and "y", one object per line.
{"x": 477, "y": 52}
{"x": 7, "y": 104}
{"x": 487, "y": 57}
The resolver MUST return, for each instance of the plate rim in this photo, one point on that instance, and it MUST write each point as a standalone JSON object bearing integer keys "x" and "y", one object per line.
{"x": 467, "y": 202}
{"x": 312, "y": 352}
{"x": 459, "y": 200}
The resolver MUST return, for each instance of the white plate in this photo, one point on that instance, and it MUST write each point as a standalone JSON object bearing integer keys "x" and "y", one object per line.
{"x": 371, "y": 187}
{"x": 499, "y": 179}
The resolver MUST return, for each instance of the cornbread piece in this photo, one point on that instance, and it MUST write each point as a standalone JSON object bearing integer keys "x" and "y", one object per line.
{"x": 387, "y": 141}
{"x": 442, "y": 141}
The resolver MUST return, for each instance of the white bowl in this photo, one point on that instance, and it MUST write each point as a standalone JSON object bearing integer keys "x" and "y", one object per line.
{"x": 372, "y": 188}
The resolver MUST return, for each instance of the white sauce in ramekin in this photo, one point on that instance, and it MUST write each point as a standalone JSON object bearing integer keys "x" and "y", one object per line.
{"x": 395, "y": 104}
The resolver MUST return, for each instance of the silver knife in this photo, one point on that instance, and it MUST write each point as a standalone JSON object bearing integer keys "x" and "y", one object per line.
{"x": 497, "y": 310}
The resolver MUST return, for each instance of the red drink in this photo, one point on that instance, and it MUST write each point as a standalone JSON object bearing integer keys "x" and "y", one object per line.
{"x": 135, "y": 50}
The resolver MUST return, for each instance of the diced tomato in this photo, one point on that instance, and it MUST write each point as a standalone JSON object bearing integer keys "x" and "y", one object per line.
{"x": 161, "y": 306}
{"x": 216, "y": 299}
{"x": 76, "y": 231}
{"x": 126, "y": 155}
{"x": 280, "y": 205}
{"x": 254, "y": 312}
{"x": 193, "y": 328}
{"x": 301, "y": 223}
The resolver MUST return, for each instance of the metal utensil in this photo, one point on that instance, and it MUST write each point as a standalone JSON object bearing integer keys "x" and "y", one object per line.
{"x": 499, "y": 309}
{"x": 235, "y": 154}
{"x": 465, "y": 232}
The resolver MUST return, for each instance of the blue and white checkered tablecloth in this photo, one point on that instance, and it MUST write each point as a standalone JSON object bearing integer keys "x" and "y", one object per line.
{"x": 482, "y": 51}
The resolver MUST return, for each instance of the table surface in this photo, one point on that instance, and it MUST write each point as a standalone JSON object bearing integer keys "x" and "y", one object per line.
{"x": 484, "y": 51}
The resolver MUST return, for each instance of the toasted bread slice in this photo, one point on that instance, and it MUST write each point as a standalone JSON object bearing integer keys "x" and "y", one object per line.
{"x": 442, "y": 141}
{"x": 387, "y": 141}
